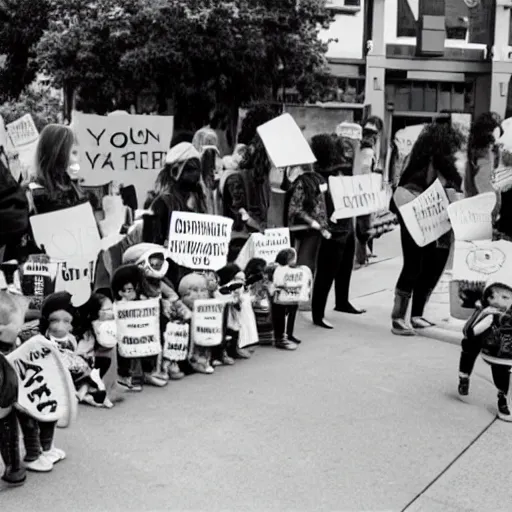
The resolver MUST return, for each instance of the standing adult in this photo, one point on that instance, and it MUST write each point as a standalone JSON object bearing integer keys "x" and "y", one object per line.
{"x": 336, "y": 254}
{"x": 178, "y": 189}
{"x": 432, "y": 157}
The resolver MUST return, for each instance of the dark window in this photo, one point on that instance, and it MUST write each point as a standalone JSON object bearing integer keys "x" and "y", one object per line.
{"x": 406, "y": 24}
{"x": 353, "y": 3}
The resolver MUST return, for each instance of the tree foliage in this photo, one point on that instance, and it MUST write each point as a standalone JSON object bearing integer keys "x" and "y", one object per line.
{"x": 208, "y": 52}
{"x": 22, "y": 23}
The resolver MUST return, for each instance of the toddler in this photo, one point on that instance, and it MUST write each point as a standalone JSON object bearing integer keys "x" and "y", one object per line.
{"x": 488, "y": 332}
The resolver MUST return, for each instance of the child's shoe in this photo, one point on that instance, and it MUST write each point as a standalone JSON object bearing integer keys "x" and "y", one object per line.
{"x": 286, "y": 344}
{"x": 41, "y": 465}
{"x": 226, "y": 360}
{"x": 243, "y": 353}
{"x": 295, "y": 340}
{"x": 216, "y": 363}
{"x": 55, "y": 455}
{"x": 463, "y": 386}
{"x": 108, "y": 404}
{"x": 128, "y": 384}
{"x": 202, "y": 366}
{"x": 503, "y": 408}
{"x": 154, "y": 379}
{"x": 174, "y": 371}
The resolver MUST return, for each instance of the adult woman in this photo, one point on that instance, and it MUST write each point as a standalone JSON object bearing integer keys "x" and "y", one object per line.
{"x": 178, "y": 189}
{"x": 483, "y": 154}
{"x": 55, "y": 185}
{"x": 305, "y": 208}
{"x": 432, "y": 157}
{"x": 336, "y": 254}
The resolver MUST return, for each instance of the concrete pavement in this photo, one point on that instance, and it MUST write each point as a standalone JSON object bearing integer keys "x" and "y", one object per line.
{"x": 355, "y": 420}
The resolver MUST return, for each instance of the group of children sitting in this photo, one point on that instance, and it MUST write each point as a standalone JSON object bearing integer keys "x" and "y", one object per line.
{"x": 88, "y": 342}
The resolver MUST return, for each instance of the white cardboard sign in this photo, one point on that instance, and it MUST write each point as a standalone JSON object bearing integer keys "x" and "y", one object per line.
{"x": 471, "y": 218}
{"x": 207, "y": 322}
{"x": 46, "y": 390}
{"x": 176, "y": 341}
{"x": 199, "y": 241}
{"x": 285, "y": 143}
{"x": 264, "y": 245}
{"x": 426, "y": 216}
{"x": 23, "y": 132}
{"x": 138, "y": 328}
{"x": 293, "y": 285}
{"x": 353, "y": 196}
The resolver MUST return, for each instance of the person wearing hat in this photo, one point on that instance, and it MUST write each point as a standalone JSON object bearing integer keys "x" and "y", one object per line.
{"x": 178, "y": 189}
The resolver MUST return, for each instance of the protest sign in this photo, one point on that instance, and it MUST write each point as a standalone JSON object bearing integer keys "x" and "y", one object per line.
{"x": 477, "y": 261}
{"x": 426, "y": 217}
{"x": 353, "y": 196}
{"x": 264, "y": 245}
{"x": 37, "y": 279}
{"x": 199, "y": 241}
{"x": 68, "y": 234}
{"x": 130, "y": 149}
{"x": 285, "y": 143}
{"x": 46, "y": 391}
{"x": 23, "y": 136}
{"x": 138, "y": 328}
{"x": 350, "y": 130}
{"x": 471, "y": 218}
{"x": 75, "y": 276}
{"x": 293, "y": 284}
{"x": 176, "y": 341}
{"x": 207, "y": 322}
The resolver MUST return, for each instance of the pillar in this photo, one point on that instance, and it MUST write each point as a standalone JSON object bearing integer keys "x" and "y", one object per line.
{"x": 501, "y": 63}
{"x": 376, "y": 63}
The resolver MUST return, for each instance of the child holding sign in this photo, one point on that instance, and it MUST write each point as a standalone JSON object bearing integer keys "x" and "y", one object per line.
{"x": 284, "y": 314}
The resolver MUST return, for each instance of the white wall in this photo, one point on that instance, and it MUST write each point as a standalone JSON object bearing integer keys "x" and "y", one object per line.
{"x": 349, "y": 30}
{"x": 390, "y": 28}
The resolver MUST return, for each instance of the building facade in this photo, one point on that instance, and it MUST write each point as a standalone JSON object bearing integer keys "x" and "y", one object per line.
{"x": 416, "y": 58}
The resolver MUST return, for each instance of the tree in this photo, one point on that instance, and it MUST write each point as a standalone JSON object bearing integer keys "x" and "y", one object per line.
{"x": 22, "y": 23}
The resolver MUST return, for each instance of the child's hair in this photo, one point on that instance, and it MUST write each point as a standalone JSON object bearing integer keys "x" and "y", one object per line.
{"x": 90, "y": 312}
{"x": 470, "y": 293}
{"x": 227, "y": 274}
{"x": 128, "y": 274}
{"x": 254, "y": 270}
{"x": 58, "y": 301}
{"x": 285, "y": 256}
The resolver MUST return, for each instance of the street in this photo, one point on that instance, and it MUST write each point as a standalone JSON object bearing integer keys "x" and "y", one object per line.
{"x": 355, "y": 420}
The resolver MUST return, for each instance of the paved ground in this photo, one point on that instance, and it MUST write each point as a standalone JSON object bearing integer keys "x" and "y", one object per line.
{"x": 355, "y": 420}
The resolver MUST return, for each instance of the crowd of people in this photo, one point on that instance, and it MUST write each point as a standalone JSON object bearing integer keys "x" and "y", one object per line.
{"x": 197, "y": 179}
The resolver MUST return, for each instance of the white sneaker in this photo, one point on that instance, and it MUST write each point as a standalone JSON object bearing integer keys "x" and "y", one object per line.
{"x": 41, "y": 465}
{"x": 55, "y": 455}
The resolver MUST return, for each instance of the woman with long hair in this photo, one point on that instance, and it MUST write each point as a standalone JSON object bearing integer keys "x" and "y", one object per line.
{"x": 432, "y": 157}
{"x": 55, "y": 185}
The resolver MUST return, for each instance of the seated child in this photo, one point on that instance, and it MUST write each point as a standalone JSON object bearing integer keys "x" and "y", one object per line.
{"x": 260, "y": 289}
{"x": 11, "y": 319}
{"x": 488, "y": 332}
{"x": 56, "y": 324}
{"x": 284, "y": 314}
{"x": 129, "y": 283}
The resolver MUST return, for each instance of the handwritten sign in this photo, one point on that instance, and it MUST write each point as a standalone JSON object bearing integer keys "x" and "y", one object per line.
{"x": 353, "y": 196}
{"x": 350, "y": 130}
{"x": 46, "y": 391}
{"x": 37, "y": 281}
{"x": 176, "y": 341}
{"x": 23, "y": 131}
{"x": 426, "y": 217}
{"x": 207, "y": 322}
{"x": 285, "y": 143}
{"x": 138, "y": 328}
{"x": 68, "y": 234}
{"x": 76, "y": 277}
{"x": 265, "y": 245}
{"x": 199, "y": 241}
{"x": 471, "y": 218}
{"x": 293, "y": 285}
{"x": 477, "y": 261}
{"x": 125, "y": 148}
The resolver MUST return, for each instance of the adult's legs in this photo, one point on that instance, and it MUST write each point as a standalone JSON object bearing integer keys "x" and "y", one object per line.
{"x": 330, "y": 256}
{"x": 343, "y": 277}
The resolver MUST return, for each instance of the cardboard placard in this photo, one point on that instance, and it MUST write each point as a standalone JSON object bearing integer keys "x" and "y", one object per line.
{"x": 176, "y": 341}
{"x": 352, "y": 131}
{"x": 285, "y": 143}
{"x": 37, "y": 281}
{"x": 264, "y": 245}
{"x": 46, "y": 390}
{"x": 353, "y": 196}
{"x": 293, "y": 285}
{"x": 138, "y": 328}
{"x": 76, "y": 277}
{"x": 426, "y": 217}
{"x": 471, "y": 218}
{"x": 68, "y": 234}
{"x": 199, "y": 241}
{"x": 130, "y": 149}
{"x": 207, "y": 322}
{"x": 23, "y": 132}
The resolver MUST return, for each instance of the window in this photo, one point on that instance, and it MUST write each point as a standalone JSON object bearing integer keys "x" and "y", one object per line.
{"x": 344, "y": 6}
